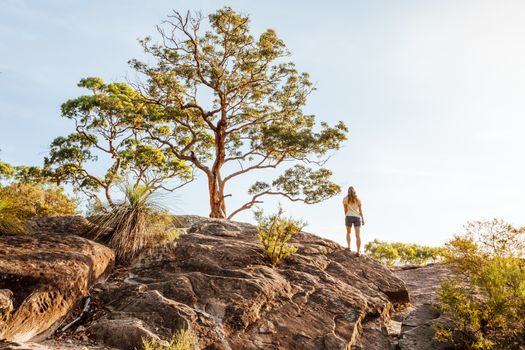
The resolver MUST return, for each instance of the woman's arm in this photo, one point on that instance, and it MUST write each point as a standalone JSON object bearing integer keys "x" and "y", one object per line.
{"x": 344, "y": 205}
{"x": 361, "y": 213}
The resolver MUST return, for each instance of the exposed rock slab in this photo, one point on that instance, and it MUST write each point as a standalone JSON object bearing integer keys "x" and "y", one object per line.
{"x": 216, "y": 282}
{"x": 417, "y": 332}
{"x": 42, "y": 276}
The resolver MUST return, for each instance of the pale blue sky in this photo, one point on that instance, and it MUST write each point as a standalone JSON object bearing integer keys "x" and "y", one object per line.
{"x": 433, "y": 93}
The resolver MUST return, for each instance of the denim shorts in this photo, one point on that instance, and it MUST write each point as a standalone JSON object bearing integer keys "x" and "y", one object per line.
{"x": 353, "y": 220}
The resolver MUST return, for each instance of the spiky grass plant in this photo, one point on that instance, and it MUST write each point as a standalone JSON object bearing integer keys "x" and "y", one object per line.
{"x": 182, "y": 340}
{"x": 12, "y": 218}
{"x": 135, "y": 224}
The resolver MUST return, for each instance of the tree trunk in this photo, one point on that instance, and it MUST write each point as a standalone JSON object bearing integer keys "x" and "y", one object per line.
{"x": 215, "y": 184}
{"x": 217, "y": 205}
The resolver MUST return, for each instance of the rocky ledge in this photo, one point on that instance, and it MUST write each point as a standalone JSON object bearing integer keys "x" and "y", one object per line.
{"x": 216, "y": 282}
{"x": 42, "y": 277}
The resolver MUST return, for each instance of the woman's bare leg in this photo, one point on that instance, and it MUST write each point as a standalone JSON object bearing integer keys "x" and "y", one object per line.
{"x": 358, "y": 239}
{"x": 348, "y": 237}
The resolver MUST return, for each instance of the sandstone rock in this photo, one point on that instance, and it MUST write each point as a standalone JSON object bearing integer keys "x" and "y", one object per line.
{"x": 123, "y": 333}
{"x": 6, "y": 304}
{"x": 67, "y": 225}
{"x": 421, "y": 338}
{"x": 45, "y": 275}
{"x": 217, "y": 283}
{"x": 417, "y": 332}
{"x": 4, "y": 345}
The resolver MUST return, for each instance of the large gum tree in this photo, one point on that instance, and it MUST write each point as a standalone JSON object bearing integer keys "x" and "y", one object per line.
{"x": 231, "y": 104}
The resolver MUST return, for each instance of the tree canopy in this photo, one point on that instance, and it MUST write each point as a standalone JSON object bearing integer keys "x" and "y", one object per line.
{"x": 230, "y": 104}
{"x": 105, "y": 127}
{"x": 217, "y": 101}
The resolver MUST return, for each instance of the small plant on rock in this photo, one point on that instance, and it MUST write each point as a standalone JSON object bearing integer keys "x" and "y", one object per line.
{"x": 137, "y": 223}
{"x": 182, "y": 340}
{"x": 274, "y": 233}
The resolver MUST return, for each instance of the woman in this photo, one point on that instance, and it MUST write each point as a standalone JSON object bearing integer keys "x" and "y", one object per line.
{"x": 353, "y": 216}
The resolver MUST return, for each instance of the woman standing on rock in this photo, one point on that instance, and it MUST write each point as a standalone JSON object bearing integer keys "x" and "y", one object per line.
{"x": 353, "y": 216}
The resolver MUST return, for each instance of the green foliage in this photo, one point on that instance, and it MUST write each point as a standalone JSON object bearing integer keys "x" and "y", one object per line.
{"x": 135, "y": 224}
{"x": 6, "y": 171}
{"x": 486, "y": 298}
{"x": 255, "y": 119}
{"x": 22, "y": 201}
{"x": 12, "y": 219}
{"x": 106, "y": 132}
{"x": 274, "y": 233}
{"x": 182, "y": 340}
{"x": 402, "y": 253}
{"x": 23, "y": 174}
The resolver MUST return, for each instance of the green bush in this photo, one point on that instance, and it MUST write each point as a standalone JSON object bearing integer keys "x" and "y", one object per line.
{"x": 274, "y": 233}
{"x": 402, "y": 253}
{"x": 135, "y": 224}
{"x": 485, "y": 300}
{"x": 182, "y": 340}
{"x": 20, "y": 202}
{"x": 12, "y": 219}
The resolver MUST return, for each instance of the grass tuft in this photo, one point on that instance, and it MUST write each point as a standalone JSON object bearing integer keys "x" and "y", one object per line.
{"x": 136, "y": 224}
{"x": 182, "y": 340}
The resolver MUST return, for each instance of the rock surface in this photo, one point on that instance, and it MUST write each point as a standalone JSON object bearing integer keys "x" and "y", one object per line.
{"x": 42, "y": 276}
{"x": 217, "y": 283}
{"x": 417, "y": 332}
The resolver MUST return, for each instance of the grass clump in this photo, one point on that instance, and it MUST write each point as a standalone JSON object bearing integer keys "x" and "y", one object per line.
{"x": 182, "y": 340}
{"x": 137, "y": 223}
{"x": 20, "y": 202}
{"x": 402, "y": 253}
{"x": 274, "y": 233}
{"x": 485, "y": 301}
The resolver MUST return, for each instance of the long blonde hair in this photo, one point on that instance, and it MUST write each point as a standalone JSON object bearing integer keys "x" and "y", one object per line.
{"x": 352, "y": 196}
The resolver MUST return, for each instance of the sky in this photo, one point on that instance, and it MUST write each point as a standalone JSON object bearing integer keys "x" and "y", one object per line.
{"x": 432, "y": 92}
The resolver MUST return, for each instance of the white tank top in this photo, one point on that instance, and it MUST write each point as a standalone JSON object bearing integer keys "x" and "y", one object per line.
{"x": 352, "y": 209}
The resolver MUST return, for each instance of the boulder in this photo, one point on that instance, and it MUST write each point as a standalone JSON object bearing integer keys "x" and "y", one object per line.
{"x": 42, "y": 277}
{"x": 216, "y": 282}
{"x": 76, "y": 225}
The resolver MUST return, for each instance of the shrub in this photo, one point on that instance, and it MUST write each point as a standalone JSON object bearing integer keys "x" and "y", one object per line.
{"x": 22, "y": 201}
{"x": 12, "y": 220}
{"x": 182, "y": 340}
{"x": 485, "y": 301}
{"x": 402, "y": 253}
{"x": 274, "y": 233}
{"x": 135, "y": 224}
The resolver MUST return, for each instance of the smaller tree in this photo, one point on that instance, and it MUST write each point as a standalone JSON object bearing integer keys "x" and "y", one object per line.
{"x": 275, "y": 231}
{"x": 105, "y": 135}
